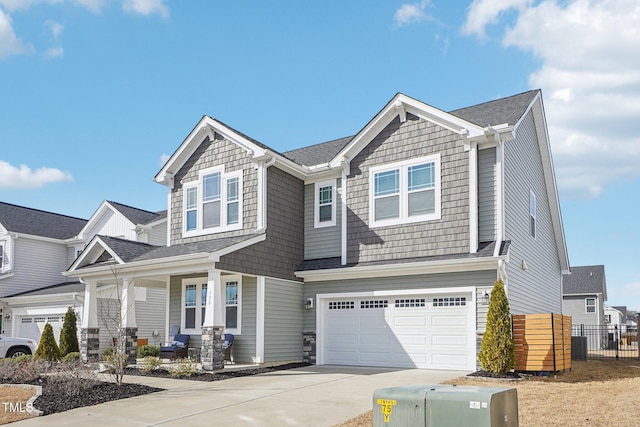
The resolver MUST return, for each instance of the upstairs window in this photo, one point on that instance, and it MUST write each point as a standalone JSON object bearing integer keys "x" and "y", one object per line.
{"x": 325, "y": 204}
{"x": 213, "y": 203}
{"x": 1, "y": 256}
{"x": 405, "y": 192}
{"x": 532, "y": 214}
{"x": 590, "y": 305}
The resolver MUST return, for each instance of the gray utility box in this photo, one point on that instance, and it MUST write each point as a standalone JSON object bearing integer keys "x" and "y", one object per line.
{"x": 445, "y": 406}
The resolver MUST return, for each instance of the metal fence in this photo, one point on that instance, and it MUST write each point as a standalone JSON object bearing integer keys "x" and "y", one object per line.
{"x": 604, "y": 342}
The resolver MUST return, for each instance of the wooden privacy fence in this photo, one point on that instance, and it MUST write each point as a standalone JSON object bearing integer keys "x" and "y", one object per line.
{"x": 542, "y": 342}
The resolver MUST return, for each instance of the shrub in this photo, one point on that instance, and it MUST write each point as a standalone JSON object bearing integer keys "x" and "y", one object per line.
{"x": 183, "y": 368}
{"x": 69, "y": 333}
{"x": 47, "y": 349}
{"x": 148, "y": 350}
{"x": 497, "y": 350}
{"x": 151, "y": 363}
{"x": 22, "y": 369}
{"x": 72, "y": 357}
{"x": 70, "y": 379}
{"x": 107, "y": 352}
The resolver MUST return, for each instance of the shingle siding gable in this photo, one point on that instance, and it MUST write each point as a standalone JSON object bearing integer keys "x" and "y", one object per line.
{"x": 397, "y": 142}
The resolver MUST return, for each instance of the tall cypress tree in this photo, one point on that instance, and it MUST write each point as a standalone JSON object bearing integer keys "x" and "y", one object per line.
{"x": 47, "y": 349}
{"x": 497, "y": 350}
{"x": 69, "y": 333}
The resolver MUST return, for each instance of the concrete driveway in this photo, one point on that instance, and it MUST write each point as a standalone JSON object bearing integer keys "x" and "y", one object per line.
{"x": 310, "y": 396}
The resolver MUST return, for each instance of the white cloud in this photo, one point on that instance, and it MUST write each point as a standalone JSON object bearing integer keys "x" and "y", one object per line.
{"x": 590, "y": 77}
{"x": 25, "y": 177}
{"x": 12, "y": 5}
{"x": 10, "y": 44}
{"x": 163, "y": 159}
{"x": 54, "y": 52}
{"x": 412, "y": 13}
{"x": 146, "y": 7}
{"x": 55, "y": 28}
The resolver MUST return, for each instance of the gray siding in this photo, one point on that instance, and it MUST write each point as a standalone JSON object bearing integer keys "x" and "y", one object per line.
{"x": 324, "y": 242}
{"x": 283, "y": 320}
{"x": 244, "y": 345}
{"x": 538, "y": 288}
{"x": 480, "y": 279}
{"x": 397, "y": 142}
{"x": 487, "y": 195}
{"x": 36, "y": 264}
{"x": 575, "y": 306}
{"x": 283, "y": 250}
{"x": 210, "y": 154}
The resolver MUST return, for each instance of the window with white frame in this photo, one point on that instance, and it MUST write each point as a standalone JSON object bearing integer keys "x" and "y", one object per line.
{"x": 405, "y": 192}
{"x": 194, "y": 293}
{"x": 1, "y": 256}
{"x": 590, "y": 305}
{"x": 213, "y": 203}
{"x": 325, "y": 204}
{"x": 233, "y": 312}
{"x": 532, "y": 214}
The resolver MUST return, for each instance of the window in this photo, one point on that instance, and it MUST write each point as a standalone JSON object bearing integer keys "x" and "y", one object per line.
{"x": 324, "y": 204}
{"x": 532, "y": 214}
{"x": 590, "y": 305}
{"x": 405, "y": 192}
{"x": 365, "y": 304}
{"x": 195, "y": 299}
{"x": 213, "y": 203}
{"x": 233, "y": 298}
{"x": 411, "y": 303}
{"x": 450, "y": 302}
{"x": 341, "y": 305}
{"x": 1, "y": 256}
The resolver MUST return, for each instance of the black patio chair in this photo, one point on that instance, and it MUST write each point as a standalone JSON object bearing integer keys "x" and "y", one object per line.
{"x": 179, "y": 347}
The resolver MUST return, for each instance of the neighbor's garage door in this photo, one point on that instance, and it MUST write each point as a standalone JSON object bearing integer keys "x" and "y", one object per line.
{"x": 32, "y": 326}
{"x": 416, "y": 331}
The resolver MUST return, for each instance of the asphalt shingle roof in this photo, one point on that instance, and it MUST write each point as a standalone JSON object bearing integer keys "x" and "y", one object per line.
{"x": 505, "y": 110}
{"x": 19, "y": 219}
{"x": 138, "y": 216}
{"x": 60, "y": 288}
{"x": 319, "y": 153}
{"x": 588, "y": 279}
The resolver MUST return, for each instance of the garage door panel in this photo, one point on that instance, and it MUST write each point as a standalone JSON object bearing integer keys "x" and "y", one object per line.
{"x": 342, "y": 357}
{"x": 375, "y": 339}
{"x": 342, "y": 339}
{"x": 443, "y": 320}
{"x": 373, "y": 321}
{"x": 341, "y": 322}
{"x": 414, "y": 339}
{"x": 448, "y": 360}
{"x": 449, "y": 340}
{"x": 410, "y": 320}
{"x": 374, "y": 357}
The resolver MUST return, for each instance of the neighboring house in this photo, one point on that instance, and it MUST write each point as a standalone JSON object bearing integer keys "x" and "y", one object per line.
{"x": 378, "y": 249}
{"x": 41, "y": 245}
{"x": 584, "y": 293}
{"x": 616, "y": 316}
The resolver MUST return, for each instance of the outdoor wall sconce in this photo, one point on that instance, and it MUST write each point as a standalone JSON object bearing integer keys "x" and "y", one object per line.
{"x": 308, "y": 304}
{"x": 7, "y": 317}
{"x": 524, "y": 265}
{"x": 485, "y": 298}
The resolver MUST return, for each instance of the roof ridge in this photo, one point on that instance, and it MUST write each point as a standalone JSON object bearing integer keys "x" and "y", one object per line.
{"x": 131, "y": 207}
{"x": 494, "y": 100}
{"x": 43, "y": 211}
{"x": 121, "y": 239}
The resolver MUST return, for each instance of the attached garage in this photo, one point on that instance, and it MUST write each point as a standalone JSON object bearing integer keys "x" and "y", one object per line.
{"x": 33, "y": 326}
{"x": 431, "y": 329}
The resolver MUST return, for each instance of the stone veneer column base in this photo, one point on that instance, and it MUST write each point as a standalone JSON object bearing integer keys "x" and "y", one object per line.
{"x": 212, "y": 353}
{"x": 90, "y": 344}
{"x": 309, "y": 347}
{"x": 130, "y": 343}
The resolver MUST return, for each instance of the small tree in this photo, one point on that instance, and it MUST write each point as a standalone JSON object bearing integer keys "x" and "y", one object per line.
{"x": 69, "y": 333}
{"x": 497, "y": 351}
{"x": 47, "y": 349}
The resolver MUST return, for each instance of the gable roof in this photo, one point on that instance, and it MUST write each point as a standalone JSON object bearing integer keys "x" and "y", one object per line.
{"x": 20, "y": 219}
{"x": 59, "y": 288}
{"x": 585, "y": 280}
{"x": 136, "y": 215}
{"x": 507, "y": 110}
{"x": 317, "y": 154}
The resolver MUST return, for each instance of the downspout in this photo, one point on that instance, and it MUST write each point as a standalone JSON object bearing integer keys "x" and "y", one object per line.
{"x": 346, "y": 168}
{"x": 262, "y": 195}
{"x": 499, "y": 194}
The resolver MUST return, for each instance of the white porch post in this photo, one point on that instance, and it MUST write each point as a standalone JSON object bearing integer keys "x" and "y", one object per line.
{"x": 89, "y": 331}
{"x": 211, "y": 352}
{"x": 129, "y": 332}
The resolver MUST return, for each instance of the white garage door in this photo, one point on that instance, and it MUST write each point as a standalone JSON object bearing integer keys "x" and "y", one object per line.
{"x": 32, "y": 326}
{"x": 407, "y": 331}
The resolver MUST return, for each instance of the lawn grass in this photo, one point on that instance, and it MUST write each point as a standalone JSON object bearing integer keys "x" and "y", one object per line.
{"x": 593, "y": 393}
{"x": 15, "y": 396}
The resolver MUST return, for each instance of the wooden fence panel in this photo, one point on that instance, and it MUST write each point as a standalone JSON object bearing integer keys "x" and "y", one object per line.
{"x": 542, "y": 342}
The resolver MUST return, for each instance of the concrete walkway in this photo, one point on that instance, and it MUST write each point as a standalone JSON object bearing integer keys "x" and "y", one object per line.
{"x": 310, "y": 396}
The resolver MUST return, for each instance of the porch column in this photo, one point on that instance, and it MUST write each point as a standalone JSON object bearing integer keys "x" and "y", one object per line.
{"x": 129, "y": 332}
{"x": 212, "y": 353}
{"x": 89, "y": 331}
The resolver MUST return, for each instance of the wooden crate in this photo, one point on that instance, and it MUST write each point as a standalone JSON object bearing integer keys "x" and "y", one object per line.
{"x": 542, "y": 342}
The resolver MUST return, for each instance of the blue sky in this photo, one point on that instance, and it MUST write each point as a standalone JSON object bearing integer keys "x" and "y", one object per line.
{"x": 96, "y": 93}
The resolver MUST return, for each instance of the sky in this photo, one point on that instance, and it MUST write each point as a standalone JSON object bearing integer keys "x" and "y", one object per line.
{"x": 96, "y": 94}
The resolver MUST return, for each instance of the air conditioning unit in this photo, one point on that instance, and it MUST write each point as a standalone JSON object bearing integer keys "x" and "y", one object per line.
{"x": 445, "y": 406}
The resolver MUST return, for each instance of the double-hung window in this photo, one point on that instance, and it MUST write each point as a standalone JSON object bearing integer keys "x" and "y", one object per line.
{"x": 195, "y": 300}
{"x": 325, "y": 204}
{"x": 590, "y": 305}
{"x": 532, "y": 214}
{"x": 405, "y": 192}
{"x": 233, "y": 306}
{"x": 1, "y": 256}
{"x": 213, "y": 203}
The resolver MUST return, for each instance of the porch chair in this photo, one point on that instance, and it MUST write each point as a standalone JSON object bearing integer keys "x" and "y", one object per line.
{"x": 179, "y": 347}
{"x": 226, "y": 345}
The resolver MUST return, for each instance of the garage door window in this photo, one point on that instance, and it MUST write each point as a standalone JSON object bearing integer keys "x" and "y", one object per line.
{"x": 341, "y": 305}
{"x": 411, "y": 303}
{"x": 450, "y": 302}
{"x": 26, "y": 320}
{"x": 39, "y": 319}
{"x": 374, "y": 304}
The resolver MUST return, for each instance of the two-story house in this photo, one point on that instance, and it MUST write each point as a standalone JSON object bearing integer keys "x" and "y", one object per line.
{"x": 38, "y": 246}
{"x": 378, "y": 249}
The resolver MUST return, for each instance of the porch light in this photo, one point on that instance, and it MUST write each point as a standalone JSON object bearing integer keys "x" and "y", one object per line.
{"x": 485, "y": 297}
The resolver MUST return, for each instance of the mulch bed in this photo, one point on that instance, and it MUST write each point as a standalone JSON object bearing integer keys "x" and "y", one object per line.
{"x": 217, "y": 375}
{"x": 507, "y": 376}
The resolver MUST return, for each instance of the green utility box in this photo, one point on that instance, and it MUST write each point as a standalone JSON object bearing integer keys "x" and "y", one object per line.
{"x": 445, "y": 406}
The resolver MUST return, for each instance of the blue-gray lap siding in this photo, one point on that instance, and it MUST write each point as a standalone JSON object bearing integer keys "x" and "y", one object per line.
{"x": 283, "y": 320}
{"x": 487, "y": 195}
{"x": 322, "y": 242}
{"x": 536, "y": 289}
{"x": 398, "y": 142}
